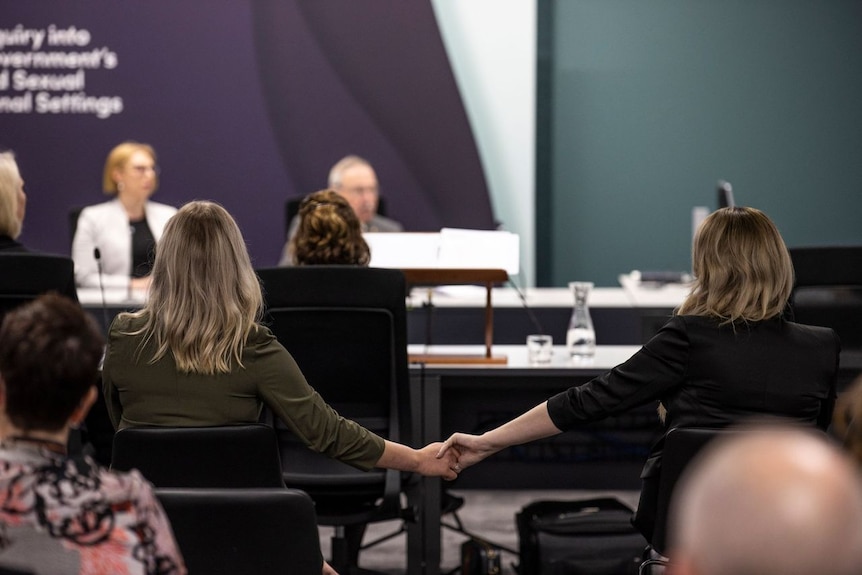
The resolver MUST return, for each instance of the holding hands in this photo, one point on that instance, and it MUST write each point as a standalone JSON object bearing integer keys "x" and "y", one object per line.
{"x": 433, "y": 461}
{"x": 471, "y": 449}
{"x": 468, "y": 450}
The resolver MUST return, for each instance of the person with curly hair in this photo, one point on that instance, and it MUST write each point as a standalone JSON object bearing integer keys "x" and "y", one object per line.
{"x": 329, "y": 233}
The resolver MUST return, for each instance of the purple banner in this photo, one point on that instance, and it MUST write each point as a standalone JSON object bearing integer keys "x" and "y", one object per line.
{"x": 246, "y": 103}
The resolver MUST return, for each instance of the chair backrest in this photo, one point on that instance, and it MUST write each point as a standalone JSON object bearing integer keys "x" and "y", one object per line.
{"x": 681, "y": 446}
{"x": 236, "y": 456}
{"x": 346, "y": 327}
{"x": 24, "y": 276}
{"x": 828, "y": 290}
{"x": 260, "y": 531}
{"x": 291, "y": 208}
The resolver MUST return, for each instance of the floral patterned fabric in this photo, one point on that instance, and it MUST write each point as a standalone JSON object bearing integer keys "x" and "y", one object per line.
{"x": 63, "y": 516}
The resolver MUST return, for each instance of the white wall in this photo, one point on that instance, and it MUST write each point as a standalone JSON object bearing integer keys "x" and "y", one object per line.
{"x": 492, "y": 48}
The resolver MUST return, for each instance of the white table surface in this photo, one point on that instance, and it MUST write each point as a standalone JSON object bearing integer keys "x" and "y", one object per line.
{"x": 606, "y": 357}
{"x": 113, "y": 297}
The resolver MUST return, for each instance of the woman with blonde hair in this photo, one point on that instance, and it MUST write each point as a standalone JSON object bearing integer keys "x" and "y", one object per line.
{"x": 329, "y": 233}
{"x": 196, "y": 354}
{"x": 125, "y": 229}
{"x": 726, "y": 355}
{"x": 13, "y": 203}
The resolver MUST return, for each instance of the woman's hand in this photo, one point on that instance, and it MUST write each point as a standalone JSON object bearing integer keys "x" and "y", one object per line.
{"x": 431, "y": 462}
{"x": 471, "y": 449}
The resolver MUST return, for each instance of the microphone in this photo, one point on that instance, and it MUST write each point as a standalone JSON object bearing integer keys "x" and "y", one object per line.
{"x": 725, "y": 194}
{"x": 530, "y": 314}
{"x": 98, "y": 255}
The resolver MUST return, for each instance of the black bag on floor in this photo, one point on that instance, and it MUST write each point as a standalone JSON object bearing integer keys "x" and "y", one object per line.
{"x": 479, "y": 557}
{"x": 585, "y": 537}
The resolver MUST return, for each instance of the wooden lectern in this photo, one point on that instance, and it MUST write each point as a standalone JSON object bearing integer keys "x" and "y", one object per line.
{"x": 459, "y": 276}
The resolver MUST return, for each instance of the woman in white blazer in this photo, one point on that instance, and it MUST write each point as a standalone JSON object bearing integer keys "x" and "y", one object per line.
{"x": 124, "y": 229}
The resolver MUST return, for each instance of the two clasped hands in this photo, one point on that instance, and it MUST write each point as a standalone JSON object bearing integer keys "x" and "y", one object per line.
{"x": 458, "y": 453}
{"x": 462, "y": 450}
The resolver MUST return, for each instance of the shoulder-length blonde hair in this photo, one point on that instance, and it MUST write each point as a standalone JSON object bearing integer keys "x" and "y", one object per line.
{"x": 10, "y": 182}
{"x": 329, "y": 232}
{"x": 205, "y": 298}
{"x": 741, "y": 266}
{"x": 117, "y": 159}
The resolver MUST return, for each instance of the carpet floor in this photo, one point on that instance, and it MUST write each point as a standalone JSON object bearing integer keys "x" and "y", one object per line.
{"x": 487, "y": 514}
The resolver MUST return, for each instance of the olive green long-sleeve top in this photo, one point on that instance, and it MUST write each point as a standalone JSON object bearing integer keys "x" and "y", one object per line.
{"x": 140, "y": 392}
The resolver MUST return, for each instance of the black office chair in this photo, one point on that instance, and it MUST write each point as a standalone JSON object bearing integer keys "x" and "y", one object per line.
{"x": 346, "y": 328}
{"x": 828, "y": 290}
{"x": 253, "y": 531}
{"x": 291, "y": 208}
{"x": 235, "y": 456}
{"x": 25, "y": 275}
{"x": 681, "y": 446}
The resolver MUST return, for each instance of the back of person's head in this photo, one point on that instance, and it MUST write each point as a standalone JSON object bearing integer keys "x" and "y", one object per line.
{"x": 770, "y": 501}
{"x": 10, "y": 183}
{"x": 741, "y": 266}
{"x": 847, "y": 419}
{"x": 118, "y": 158}
{"x": 329, "y": 232}
{"x": 205, "y": 297}
{"x": 341, "y": 166}
{"x": 50, "y": 350}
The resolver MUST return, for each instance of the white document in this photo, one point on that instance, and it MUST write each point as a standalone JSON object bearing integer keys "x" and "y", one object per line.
{"x": 479, "y": 249}
{"x": 450, "y": 248}
{"x": 403, "y": 250}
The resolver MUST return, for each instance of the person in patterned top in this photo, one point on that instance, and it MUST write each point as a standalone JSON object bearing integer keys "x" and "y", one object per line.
{"x": 64, "y": 515}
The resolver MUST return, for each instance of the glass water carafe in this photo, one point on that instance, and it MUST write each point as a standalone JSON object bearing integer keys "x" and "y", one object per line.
{"x": 581, "y": 337}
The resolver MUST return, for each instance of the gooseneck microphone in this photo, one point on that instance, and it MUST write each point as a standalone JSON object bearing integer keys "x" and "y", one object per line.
{"x": 98, "y": 255}
{"x": 533, "y": 319}
{"x": 725, "y": 194}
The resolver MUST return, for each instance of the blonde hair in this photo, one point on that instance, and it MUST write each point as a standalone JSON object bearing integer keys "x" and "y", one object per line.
{"x": 329, "y": 232}
{"x": 117, "y": 159}
{"x": 341, "y": 166}
{"x": 10, "y": 182}
{"x": 741, "y": 266}
{"x": 847, "y": 419}
{"x": 205, "y": 298}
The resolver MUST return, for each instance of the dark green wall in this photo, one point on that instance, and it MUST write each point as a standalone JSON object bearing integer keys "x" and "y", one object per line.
{"x": 650, "y": 102}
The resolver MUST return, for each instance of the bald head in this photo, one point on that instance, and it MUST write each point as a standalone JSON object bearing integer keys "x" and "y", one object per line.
{"x": 772, "y": 501}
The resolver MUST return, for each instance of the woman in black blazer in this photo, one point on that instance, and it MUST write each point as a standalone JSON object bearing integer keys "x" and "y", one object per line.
{"x": 726, "y": 356}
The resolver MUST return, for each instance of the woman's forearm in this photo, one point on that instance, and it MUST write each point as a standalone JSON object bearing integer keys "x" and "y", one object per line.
{"x": 529, "y": 426}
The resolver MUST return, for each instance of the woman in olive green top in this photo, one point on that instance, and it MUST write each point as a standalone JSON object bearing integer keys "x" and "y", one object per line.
{"x": 196, "y": 355}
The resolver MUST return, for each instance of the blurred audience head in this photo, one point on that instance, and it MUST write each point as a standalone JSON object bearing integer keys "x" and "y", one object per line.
{"x": 50, "y": 350}
{"x": 741, "y": 266}
{"x": 329, "y": 232}
{"x": 847, "y": 419}
{"x": 354, "y": 178}
{"x": 13, "y": 200}
{"x": 131, "y": 169}
{"x": 204, "y": 297}
{"x": 769, "y": 501}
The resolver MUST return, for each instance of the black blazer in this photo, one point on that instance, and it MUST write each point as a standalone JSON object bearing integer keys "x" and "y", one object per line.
{"x": 709, "y": 375}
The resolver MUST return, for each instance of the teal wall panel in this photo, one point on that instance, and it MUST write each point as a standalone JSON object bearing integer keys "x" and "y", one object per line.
{"x": 651, "y": 102}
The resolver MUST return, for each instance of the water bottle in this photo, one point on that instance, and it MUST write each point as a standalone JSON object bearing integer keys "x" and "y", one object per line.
{"x": 581, "y": 337}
